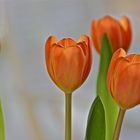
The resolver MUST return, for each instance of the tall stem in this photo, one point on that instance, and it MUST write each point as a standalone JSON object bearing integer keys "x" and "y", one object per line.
{"x": 119, "y": 124}
{"x": 68, "y": 100}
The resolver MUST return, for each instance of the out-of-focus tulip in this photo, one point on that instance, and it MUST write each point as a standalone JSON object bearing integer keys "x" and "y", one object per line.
{"x": 123, "y": 79}
{"x": 68, "y": 62}
{"x": 119, "y": 32}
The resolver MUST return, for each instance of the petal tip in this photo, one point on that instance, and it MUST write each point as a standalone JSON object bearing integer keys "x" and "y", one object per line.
{"x": 67, "y": 42}
{"x": 120, "y": 53}
{"x": 50, "y": 41}
{"x": 84, "y": 38}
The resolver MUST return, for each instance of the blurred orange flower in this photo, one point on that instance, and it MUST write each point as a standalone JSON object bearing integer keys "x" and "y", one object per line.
{"x": 68, "y": 62}
{"x": 124, "y": 79}
{"x": 119, "y": 32}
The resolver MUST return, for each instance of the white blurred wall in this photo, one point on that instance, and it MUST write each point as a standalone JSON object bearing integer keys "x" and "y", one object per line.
{"x": 33, "y": 105}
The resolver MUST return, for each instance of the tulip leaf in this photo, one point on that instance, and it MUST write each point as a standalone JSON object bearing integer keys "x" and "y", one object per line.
{"x": 96, "y": 121}
{"x": 110, "y": 107}
{"x": 2, "y": 131}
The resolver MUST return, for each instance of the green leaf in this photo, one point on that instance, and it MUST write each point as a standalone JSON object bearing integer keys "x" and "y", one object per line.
{"x": 2, "y": 131}
{"x": 111, "y": 108}
{"x": 96, "y": 121}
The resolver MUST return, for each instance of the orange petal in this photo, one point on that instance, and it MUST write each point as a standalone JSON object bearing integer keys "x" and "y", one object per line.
{"x": 50, "y": 41}
{"x": 51, "y": 69}
{"x": 133, "y": 58}
{"x": 68, "y": 65}
{"x": 130, "y": 57}
{"x": 118, "y": 54}
{"x": 48, "y": 47}
{"x": 88, "y": 59}
{"x": 67, "y": 42}
{"x": 84, "y": 43}
{"x": 128, "y": 87}
{"x": 83, "y": 46}
{"x": 84, "y": 38}
{"x": 121, "y": 64}
{"x": 125, "y": 23}
{"x": 94, "y": 35}
{"x": 114, "y": 31}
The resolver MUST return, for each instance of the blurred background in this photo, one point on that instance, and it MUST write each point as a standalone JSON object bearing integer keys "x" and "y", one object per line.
{"x": 33, "y": 105}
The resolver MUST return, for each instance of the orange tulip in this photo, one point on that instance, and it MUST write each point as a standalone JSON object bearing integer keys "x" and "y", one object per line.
{"x": 68, "y": 62}
{"x": 123, "y": 79}
{"x": 119, "y": 32}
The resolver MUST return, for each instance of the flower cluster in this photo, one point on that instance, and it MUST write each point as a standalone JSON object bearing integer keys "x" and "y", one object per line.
{"x": 69, "y": 62}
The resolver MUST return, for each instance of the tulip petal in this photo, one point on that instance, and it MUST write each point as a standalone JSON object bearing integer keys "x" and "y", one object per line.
{"x": 94, "y": 35}
{"x": 128, "y": 86}
{"x": 121, "y": 64}
{"x": 125, "y": 23}
{"x": 114, "y": 31}
{"x": 84, "y": 38}
{"x": 120, "y": 53}
{"x": 68, "y": 65}
{"x": 130, "y": 57}
{"x": 50, "y": 41}
{"x": 88, "y": 64}
{"x": 48, "y": 47}
{"x": 133, "y": 58}
{"x": 83, "y": 46}
{"x": 88, "y": 58}
{"x": 67, "y": 42}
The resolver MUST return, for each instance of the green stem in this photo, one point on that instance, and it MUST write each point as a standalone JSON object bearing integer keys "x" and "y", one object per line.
{"x": 119, "y": 124}
{"x": 68, "y": 100}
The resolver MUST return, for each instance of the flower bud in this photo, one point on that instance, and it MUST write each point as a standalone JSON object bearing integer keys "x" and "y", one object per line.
{"x": 118, "y": 32}
{"x": 68, "y": 62}
{"x": 123, "y": 79}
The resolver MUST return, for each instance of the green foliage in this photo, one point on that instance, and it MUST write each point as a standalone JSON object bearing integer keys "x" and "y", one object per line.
{"x": 110, "y": 107}
{"x": 96, "y": 121}
{"x": 2, "y": 131}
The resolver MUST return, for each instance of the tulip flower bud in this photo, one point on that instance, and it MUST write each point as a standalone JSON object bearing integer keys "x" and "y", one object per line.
{"x": 119, "y": 32}
{"x": 68, "y": 62}
{"x": 123, "y": 79}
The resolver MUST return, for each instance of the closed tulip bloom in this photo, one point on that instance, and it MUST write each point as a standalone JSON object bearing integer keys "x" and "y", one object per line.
{"x": 68, "y": 62}
{"x": 123, "y": 79}
{"x": 118, "y": 31}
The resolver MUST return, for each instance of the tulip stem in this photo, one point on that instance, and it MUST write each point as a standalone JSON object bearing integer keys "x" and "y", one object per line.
{"x": 119, "y": 124}
{"x": 68, "y": 100}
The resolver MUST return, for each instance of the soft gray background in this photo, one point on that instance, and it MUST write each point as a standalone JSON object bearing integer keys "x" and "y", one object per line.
{"x": 33, "y": 106}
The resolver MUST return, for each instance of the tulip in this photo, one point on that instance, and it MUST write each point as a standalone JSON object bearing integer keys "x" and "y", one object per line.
{"x": 119, "y": 32}
{"x": 68, "y": 62}
{"x": 124, "y": 79}
{"x": 123, "y": 82}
